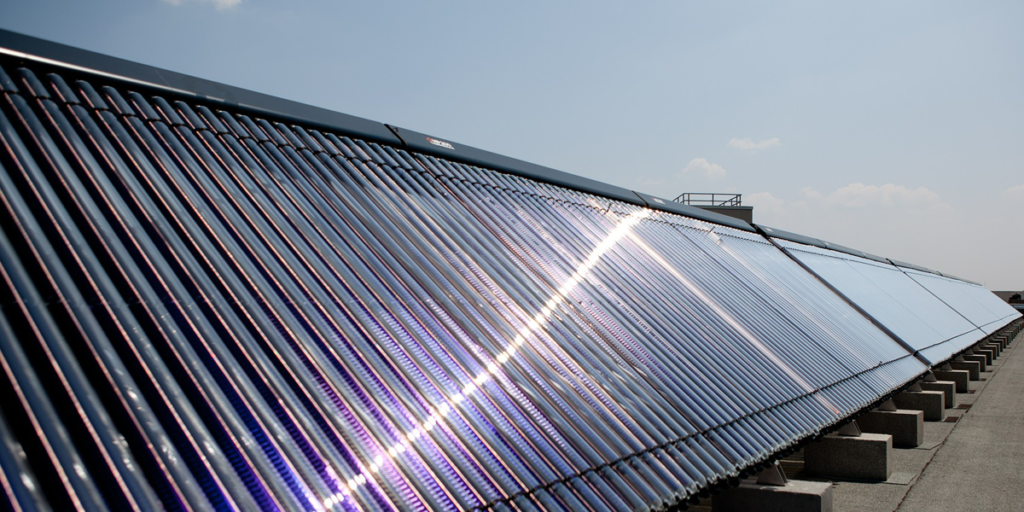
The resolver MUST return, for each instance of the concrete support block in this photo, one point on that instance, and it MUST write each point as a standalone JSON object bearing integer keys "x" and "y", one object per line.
{"x": 868, "y": 457}
{"x": 933, "y": 403}
{"x": 976, "y": 358}
{"x": 971, "y": 366}
{"x": 996, "y": 352}
{"x": 905, "y": 426}
{"x": 948, "y": 390}
{"x": 994, "y": 348}
{"x": 796, "y": 495}
{"x": 957, "y": 377}
{"x": 989, "y": 355}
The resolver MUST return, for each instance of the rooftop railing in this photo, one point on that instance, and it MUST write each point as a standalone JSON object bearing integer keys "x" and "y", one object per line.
{"x": 710, "y": 199}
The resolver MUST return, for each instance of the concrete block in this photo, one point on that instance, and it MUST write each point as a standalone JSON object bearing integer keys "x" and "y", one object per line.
{"x": 868, "y": 457}
{"x": 905, "y": 426}
{"x": 992, "y": 347}
{"x": 989, "y": 355}
{"x": 976, "y": 358}
{"x": 957, "y": 377}
{"x": 933, "y": 403}
{"x": 948, "y": 389}
{"x": 971, "y": 366}
{"x": 796, "y": 495}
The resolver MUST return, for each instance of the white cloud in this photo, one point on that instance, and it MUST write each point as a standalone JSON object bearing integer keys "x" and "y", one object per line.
{"x": 1015, "y": 191}
{"x": 748, "y": 144}
{"x": 859, "y": 195}
{"x": 702, "y": 166}
{"x": 219, "y": 4}
{"x": 764, "y": 202}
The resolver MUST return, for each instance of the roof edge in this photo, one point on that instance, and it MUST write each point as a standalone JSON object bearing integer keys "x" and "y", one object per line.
{"x": 114, "y": 70}
{"x": 789, "y": 235}
{"x": 133, "y": 74}
{"x": 822, "y": 244}
{"x": 667, "y": 205}
{"x": 449, "y": 150}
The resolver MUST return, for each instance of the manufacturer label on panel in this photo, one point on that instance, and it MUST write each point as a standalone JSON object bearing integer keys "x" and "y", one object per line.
{"x": 441, "y": 143}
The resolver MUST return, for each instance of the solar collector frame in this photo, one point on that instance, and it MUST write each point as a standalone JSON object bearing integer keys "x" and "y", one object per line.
{"x": 935, "y": 316}
{"x": 978, "y": 305}
{"x": 282, "y": 317}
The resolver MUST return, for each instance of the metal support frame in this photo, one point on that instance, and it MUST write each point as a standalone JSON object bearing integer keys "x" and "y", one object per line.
{"x": 773, "y": 475}
{"x": 888, "y": 406}
{"x": 851, "y": 429}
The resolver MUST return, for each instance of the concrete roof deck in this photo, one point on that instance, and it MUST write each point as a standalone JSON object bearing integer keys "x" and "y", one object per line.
{"x": 972, "y": 461}
{"x": 980, "y": 464}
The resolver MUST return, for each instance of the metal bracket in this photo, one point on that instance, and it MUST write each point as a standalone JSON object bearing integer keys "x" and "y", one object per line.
{"x": 916, "y": 387}
{"x": 851, "y": 429}
{"x": 930, "y": 377}
{"x": 887, "y": 406}
{"x": 773, "y": 475}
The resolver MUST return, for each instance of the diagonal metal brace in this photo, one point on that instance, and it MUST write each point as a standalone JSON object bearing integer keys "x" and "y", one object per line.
{"x": 773, "y": 475}
{"x": 851, "y": 429}
{"x": 887, "y": 406}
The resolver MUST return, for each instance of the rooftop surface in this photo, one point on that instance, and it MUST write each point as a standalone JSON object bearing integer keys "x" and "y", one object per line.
{"x": 979, "y": 464}
{"x": 973, "y": 463}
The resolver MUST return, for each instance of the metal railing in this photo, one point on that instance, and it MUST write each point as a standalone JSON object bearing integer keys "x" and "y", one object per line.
{"x": 709, "y": 199}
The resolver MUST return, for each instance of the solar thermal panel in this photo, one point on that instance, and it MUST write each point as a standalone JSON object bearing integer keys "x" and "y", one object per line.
{"x": 936, "y": 316}
{"x": 978, "y": 305}
{"x": 205, "y": 309}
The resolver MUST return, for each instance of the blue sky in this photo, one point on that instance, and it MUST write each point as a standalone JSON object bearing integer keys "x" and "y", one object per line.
{"x": 892, "y": 127}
